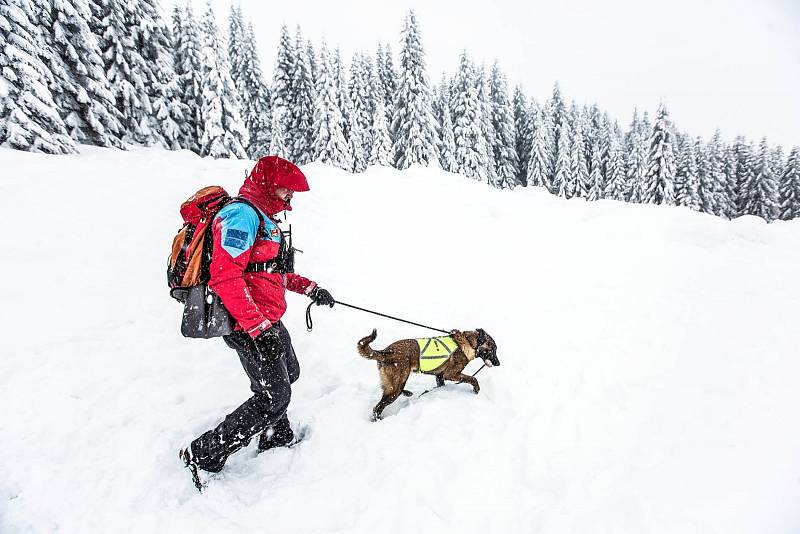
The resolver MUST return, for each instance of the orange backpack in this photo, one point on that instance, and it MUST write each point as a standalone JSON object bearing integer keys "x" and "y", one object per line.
{"x": 188, "y": 267}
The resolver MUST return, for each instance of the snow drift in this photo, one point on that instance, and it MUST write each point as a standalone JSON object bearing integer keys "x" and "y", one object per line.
{"x": 648, "y": 380}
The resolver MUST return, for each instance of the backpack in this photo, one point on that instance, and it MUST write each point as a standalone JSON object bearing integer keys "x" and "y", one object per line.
{"x": 188, "y": 267}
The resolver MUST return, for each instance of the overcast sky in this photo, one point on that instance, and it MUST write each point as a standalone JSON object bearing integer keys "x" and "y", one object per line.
{"x": 728, "y": 64}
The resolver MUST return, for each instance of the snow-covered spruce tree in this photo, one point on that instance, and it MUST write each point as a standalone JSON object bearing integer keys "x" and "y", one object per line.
{"x": 660, "y": 178}
{"x": 177, "y": 38}
{"x": 731, "y": 185}
{"x": 558, "y": 112}
{"x": 540, "y": 161}
{"x": 605, "y": 132}
{"x": 524, "y": 139}
{"x": 636, "y": 161}
{"x": 715, "y": 174}
{"x": 168, "y": 112}
{"x": 628, "y": 138}
{"x": 277, "y": 142}
{"x": 505, "y": 154}
{"x": 564, "y": 183}
{"x": 224, "y": 132}
{"x": 342, "y": 92}
{"x": 761, "y": 191}
{"x": 361, "y": 96}
{"x": 777, "y": 162}
{"x": 138, "y": 57}
{"x": 29, "y": 119}
{"x": 311, "y": 56}
{"x": 615, "y": 170}
{"x": 381, "y": 153}
{"x": 596, "y": 178}
{"x": 368, "y": 79}
{"x": 256, "y": 99}
{"x": 579, "y": 170}
{"x": 708, "y": 199}
{"x": 358, "y": 158}
{"x": 236, "y": 40}
{"x": 594, "y": 121}
{"x": 125, "y": 68}
{"x": 465, "y": 107}
{"x": 330, "y": 145}
{"x": 413, "y": 122}
{"x": 789, "y": 187}
{"x": 282, "y": 96}
{"x": 188, "y": 73}
{"x": 687, "y": 179}
{"x": 302, "y": 110}
{"x": 487, "y": 129}
{"x": 447, "y": 141}
{"x": 356, "y": 128}
{"x": 745, "y": 172}
{"x": 378, "y": 88}
{"x": 80, "y": 88}
{"x": 388, "y": 77}
{"x": 116, "y": 29}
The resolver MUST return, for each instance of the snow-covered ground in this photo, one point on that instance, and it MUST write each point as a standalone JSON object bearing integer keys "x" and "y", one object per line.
{"x": 648, "y": 380}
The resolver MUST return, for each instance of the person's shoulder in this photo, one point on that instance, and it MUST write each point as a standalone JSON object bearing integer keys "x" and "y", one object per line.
{"x": 238, "y": 213}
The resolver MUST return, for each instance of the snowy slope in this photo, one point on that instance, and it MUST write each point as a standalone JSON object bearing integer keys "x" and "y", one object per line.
{"x": 648, "y": 377}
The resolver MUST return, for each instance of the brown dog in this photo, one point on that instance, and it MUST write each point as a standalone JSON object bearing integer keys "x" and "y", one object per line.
{"x": 397, "y": 361}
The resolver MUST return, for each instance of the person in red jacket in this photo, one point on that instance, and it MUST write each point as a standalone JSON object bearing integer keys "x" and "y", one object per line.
{"x": 251, "y": 269}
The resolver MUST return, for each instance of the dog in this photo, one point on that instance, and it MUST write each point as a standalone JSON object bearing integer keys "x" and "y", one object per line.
{"x": 397, "y": 361}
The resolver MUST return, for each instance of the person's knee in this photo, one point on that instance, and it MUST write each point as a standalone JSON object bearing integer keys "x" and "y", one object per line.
{"x": 273, "y": 402}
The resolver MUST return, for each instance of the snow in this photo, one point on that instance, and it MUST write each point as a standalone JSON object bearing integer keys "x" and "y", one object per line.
{"x": 647, "y": 380}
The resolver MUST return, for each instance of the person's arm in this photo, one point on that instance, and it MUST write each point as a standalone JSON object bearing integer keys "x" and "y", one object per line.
{"x": 234, "y": 231}
{"x": 298, "y": 284}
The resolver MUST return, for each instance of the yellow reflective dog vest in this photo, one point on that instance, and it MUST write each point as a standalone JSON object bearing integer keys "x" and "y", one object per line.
{"x": 434, "y": 352}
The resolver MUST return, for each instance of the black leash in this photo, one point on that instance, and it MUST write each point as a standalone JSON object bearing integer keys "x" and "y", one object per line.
{"x": 310, "y": 325}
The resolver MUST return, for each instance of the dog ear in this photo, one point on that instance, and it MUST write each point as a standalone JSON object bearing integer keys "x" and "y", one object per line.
{"x": 481, "y": 336}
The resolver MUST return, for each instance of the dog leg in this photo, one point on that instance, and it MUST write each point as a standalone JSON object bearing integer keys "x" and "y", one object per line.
{"x": 461, "y": 377}
{"x": 439, "y": 381}
{"x": 385, "y": 401}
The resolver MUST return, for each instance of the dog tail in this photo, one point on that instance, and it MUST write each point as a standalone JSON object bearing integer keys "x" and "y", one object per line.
{"x": 366, "y": 351}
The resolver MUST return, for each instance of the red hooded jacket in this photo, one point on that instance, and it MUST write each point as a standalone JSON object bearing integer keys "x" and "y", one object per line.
{"x": 255, "y": 299}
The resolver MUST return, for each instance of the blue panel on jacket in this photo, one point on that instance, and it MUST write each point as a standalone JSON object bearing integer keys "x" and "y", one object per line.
{"x": 240, "y": 226}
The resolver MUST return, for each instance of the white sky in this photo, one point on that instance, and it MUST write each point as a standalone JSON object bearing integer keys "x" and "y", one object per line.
{"x": 732, "y": 64}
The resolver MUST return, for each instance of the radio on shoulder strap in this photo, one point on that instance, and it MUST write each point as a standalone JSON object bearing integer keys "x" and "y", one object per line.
{"x": 283, "y": 263}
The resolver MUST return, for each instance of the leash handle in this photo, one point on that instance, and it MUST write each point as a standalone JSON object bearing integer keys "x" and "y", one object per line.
{"x": 310, "y": 325}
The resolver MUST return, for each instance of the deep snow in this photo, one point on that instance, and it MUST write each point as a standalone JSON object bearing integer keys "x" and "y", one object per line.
{"x": 648, "y": 380}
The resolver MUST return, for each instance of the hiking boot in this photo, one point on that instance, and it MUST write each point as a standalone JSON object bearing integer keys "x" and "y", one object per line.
{"x": 278, "y": 435}
{"x": 188, "y": 460}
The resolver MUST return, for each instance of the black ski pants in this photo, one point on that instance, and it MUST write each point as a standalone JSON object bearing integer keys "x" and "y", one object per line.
{"x": 270, "y": 381}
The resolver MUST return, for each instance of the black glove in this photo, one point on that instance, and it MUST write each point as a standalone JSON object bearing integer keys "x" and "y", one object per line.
{"x": 269, "y": 344}
{"x": 321, "y": 297}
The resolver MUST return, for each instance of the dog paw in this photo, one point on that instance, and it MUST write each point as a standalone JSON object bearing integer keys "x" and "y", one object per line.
{"x": 407, "y": 393}
{"x": 476, "y": 390}
{"x": 375, "y": 418}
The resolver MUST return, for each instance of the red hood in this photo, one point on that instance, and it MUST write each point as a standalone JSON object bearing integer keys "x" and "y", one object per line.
{"x": 269, "y": 173}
